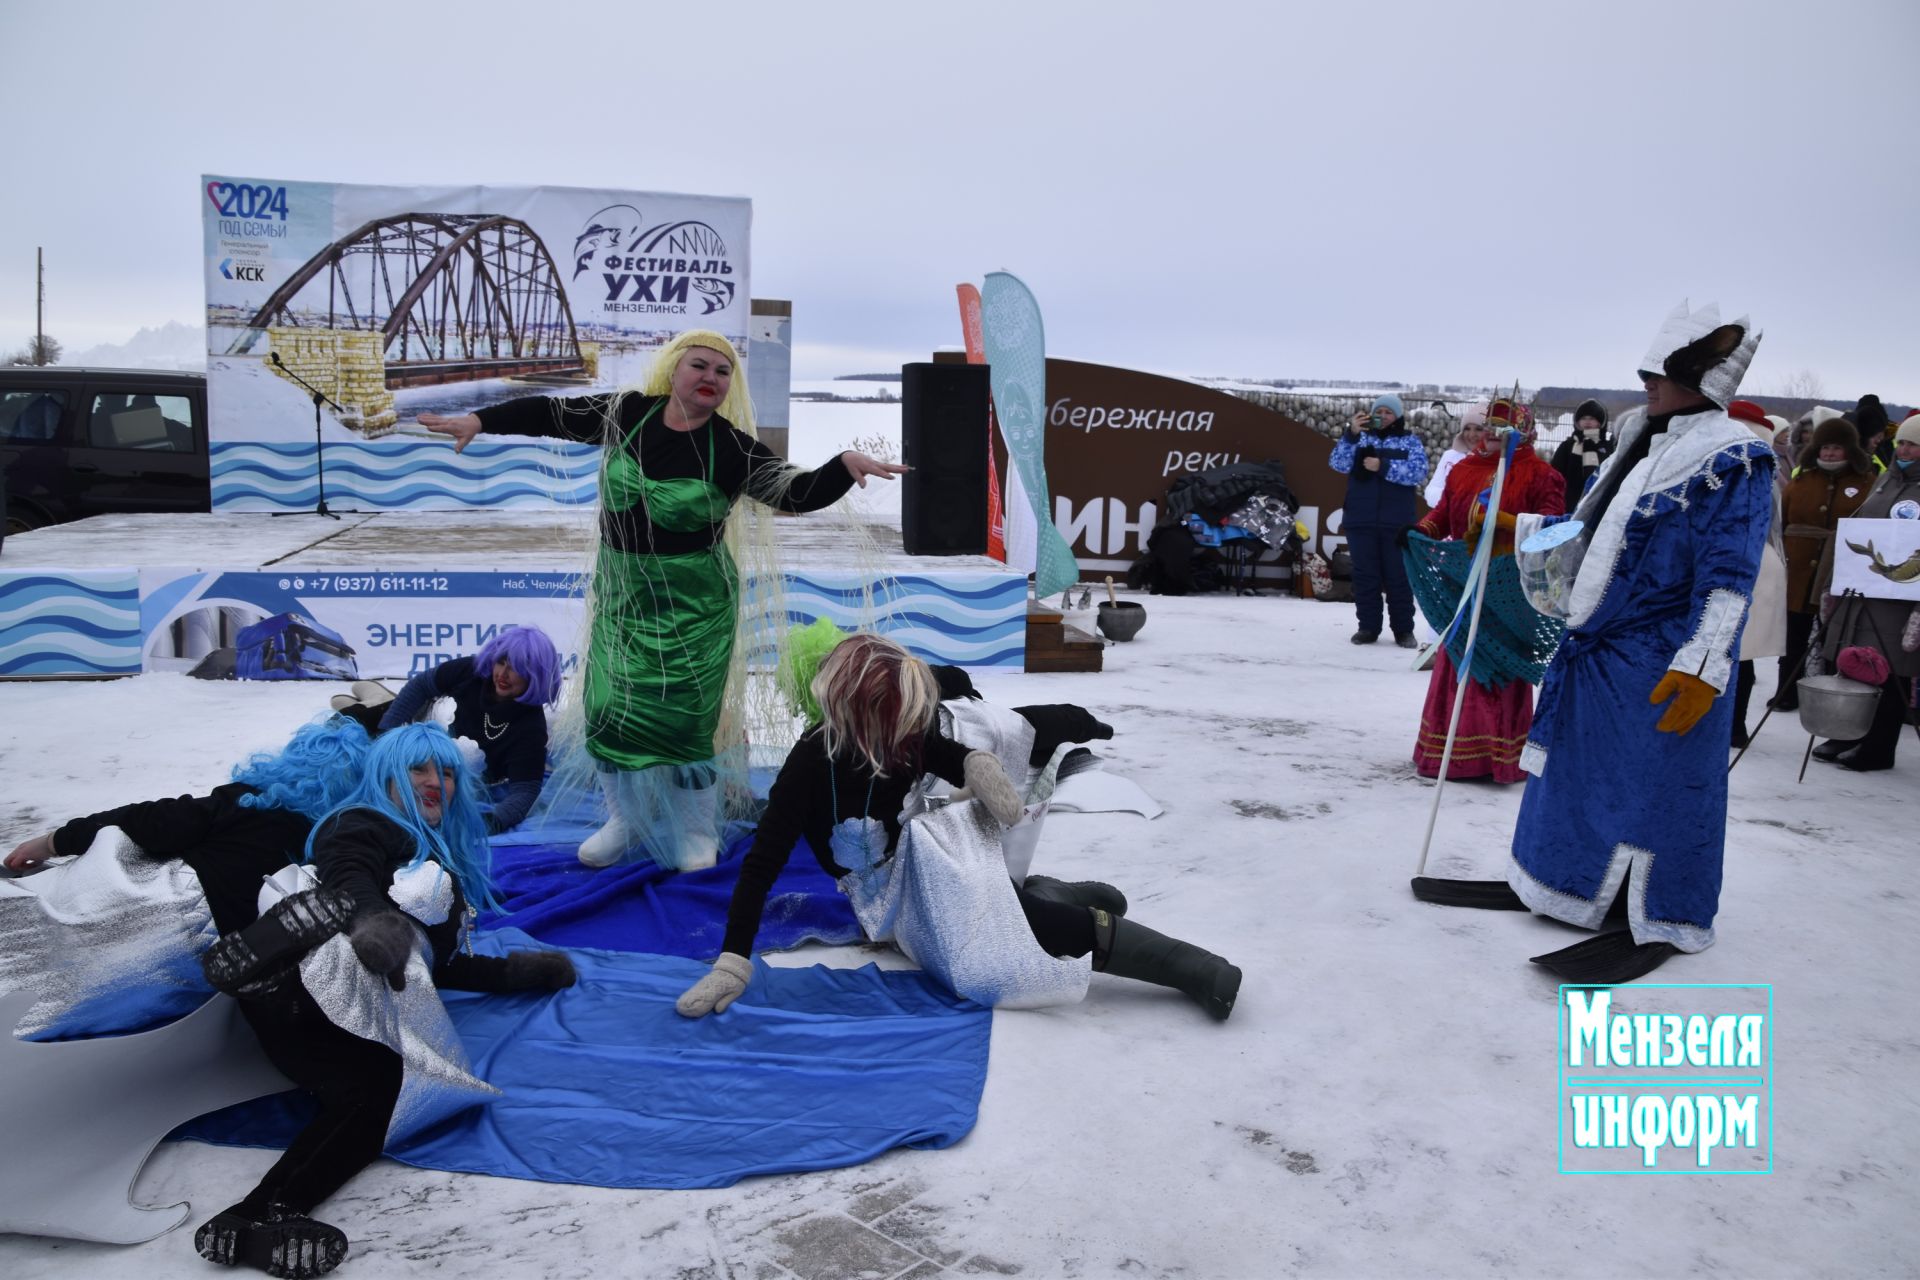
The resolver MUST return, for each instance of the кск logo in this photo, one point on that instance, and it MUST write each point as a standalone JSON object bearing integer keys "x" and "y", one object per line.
{"x": 250, "y": 271}
{"x": 658, "y": 269}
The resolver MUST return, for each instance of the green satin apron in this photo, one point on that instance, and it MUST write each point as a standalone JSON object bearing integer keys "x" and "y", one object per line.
{"x": 661, "y": 637}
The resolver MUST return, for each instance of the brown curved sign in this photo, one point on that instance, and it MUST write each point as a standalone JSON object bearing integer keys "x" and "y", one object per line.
{"x": 1117, "y": 438}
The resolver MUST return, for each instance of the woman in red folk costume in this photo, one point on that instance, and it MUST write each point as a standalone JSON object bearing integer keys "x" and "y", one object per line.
{"x": 1495, "y": 718}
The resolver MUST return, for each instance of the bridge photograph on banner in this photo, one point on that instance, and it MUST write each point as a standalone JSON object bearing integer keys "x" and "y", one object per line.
{"x": 398, "y": 301}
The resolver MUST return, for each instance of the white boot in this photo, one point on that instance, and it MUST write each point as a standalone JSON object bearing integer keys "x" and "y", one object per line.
{"x": 607, "y": 845}
{"x": 696, "y": 820}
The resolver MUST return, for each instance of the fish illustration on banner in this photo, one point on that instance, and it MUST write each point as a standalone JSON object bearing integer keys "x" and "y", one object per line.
{"x": 1017, "y": 370}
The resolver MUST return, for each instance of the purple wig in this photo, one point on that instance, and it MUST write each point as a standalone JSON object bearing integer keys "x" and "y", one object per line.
{"x": 531, "y": 654}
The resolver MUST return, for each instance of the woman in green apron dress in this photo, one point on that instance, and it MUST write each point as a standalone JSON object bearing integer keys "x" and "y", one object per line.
{"x": 665, "y": 597}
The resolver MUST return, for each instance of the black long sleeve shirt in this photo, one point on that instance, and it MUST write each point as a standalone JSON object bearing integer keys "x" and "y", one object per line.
{"x": 734, "y": 461}
{"x": 358, "y": 850}
{"x": 802, "y": 803}
{"x": 230, "y": 847}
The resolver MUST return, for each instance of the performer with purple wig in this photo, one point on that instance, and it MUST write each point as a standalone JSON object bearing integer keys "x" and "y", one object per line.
{"x": 498, "y": 699}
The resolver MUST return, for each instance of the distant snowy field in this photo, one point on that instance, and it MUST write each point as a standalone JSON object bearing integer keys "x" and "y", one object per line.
{"x": 1381, "y": 1104}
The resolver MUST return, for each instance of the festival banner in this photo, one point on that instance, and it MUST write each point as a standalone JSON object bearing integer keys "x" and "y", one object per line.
{"x": 977, "y": 354}
{"x": 1016, "y": 348}
{"x": 397, "y": 301}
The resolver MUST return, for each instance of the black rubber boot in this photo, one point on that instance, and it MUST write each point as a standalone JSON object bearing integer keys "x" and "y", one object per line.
{"x": 1129, "y": 950}
{"x": 281, "y": 1242}
{"x": 1077, "y": 893}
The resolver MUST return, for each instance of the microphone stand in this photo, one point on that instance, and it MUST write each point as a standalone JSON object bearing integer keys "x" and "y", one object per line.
{"x": 319, "y": 444}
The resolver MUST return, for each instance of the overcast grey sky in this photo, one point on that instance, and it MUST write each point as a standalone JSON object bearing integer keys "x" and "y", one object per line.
{"x": 1422, "y": 191}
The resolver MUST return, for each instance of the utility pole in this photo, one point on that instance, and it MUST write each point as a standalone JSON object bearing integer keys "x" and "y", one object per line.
{"x": 39, "y": 305}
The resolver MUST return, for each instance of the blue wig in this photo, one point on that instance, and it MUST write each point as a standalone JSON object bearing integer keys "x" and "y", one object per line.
{"x": 532, "y": 655}
{"x": 459, "y": 843}
{"x": 318, "y": 768}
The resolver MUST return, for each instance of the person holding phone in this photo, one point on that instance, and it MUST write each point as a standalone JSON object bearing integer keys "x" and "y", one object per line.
{"x": 1385, "y": 465}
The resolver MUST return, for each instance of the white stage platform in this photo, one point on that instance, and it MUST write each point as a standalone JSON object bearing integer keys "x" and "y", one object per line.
{"x": 387, "y": 593}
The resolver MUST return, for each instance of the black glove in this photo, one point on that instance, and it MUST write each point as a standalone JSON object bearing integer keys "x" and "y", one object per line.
{"x": 539, "y": 970}
{"x": 384, "y": 941}
{"x": 1404, "y": 537}
{"x": 1057, "y": 722}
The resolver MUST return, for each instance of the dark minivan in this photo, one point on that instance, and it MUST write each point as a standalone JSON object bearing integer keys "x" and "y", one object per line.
{"x": 87, "y": 442}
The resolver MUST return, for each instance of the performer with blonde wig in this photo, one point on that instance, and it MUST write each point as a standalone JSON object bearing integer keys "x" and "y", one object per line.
{"x": 935, "y": 881}
{"x": 662, "y": 701}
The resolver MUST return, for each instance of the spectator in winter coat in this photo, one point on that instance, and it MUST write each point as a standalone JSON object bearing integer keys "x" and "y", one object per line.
{"x": 1890, "y": 627}
{"x": 1876, "y": 437}
{"x": 1386, "y": 467}
{"x": 1466, "y": 443}
{"x": 1765, "y": 634}
{"x": 1581, "y": 453}
{"x": 1830, "y": 483}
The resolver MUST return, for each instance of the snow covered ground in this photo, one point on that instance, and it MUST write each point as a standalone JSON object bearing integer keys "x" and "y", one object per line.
{"x": 1382, "y": 1103}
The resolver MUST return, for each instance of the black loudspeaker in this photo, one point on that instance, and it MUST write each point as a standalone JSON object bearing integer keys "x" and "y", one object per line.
{"x": 943, "y": 433}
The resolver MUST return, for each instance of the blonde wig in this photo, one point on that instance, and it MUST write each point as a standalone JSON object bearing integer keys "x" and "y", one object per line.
{"x": 877, "y": 702}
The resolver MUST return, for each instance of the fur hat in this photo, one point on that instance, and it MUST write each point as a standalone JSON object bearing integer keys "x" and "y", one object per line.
{"x": 1695, "y": 350}
{"x": 1837, "y": 430}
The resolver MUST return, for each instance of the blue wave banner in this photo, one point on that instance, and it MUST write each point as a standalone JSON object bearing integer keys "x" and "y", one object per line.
{"x": 79, "y": 623}
{"x": 1016, "y": 346}
{"x": 341, "y": 623}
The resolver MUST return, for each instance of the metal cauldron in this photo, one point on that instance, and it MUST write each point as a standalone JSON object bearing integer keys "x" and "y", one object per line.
{"x": 1836, "y": 707}
{"x": 1121, "y": 620}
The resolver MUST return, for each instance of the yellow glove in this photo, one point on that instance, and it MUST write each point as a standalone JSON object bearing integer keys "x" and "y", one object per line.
{"x": 1691, "y": 697}
{"x": 1503, "y": 527}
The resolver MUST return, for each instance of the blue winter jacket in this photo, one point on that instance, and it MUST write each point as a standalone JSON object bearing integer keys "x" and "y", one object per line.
{"x": 1389, "y": 497}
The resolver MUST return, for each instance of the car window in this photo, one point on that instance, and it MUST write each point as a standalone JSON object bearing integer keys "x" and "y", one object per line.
{"x": 160, "y": 424}
{"x": 31, "y": 417}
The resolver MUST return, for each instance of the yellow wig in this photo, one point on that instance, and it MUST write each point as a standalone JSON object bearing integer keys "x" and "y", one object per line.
{"x": 737, "y": 408}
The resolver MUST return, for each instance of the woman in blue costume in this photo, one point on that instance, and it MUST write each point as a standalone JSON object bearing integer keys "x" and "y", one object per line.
{"x": 1626, "y": 810}
{"x": 358, "y": 1020}
{"x": 664, "y": 609}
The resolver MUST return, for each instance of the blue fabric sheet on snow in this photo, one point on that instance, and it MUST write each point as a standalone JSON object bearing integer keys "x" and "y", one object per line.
{"x": 606, "y": 1085}
{"x": 639, "y": 906}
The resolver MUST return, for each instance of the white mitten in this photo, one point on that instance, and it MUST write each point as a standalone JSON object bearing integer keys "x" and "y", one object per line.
{"x": 988, "y": 783}
{"x": 720, "y": 988}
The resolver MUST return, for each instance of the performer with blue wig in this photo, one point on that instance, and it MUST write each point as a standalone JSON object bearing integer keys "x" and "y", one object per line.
{"x": 499, "y": 695}
{"x": 237, "y": 833}
{"x": 404, "y": 855}
{"x": 1626, "y": 810}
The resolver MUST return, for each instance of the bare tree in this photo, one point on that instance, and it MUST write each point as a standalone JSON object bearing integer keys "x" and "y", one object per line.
{"x": 41, "y": 350}
{"x": 1804, "y": 385}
